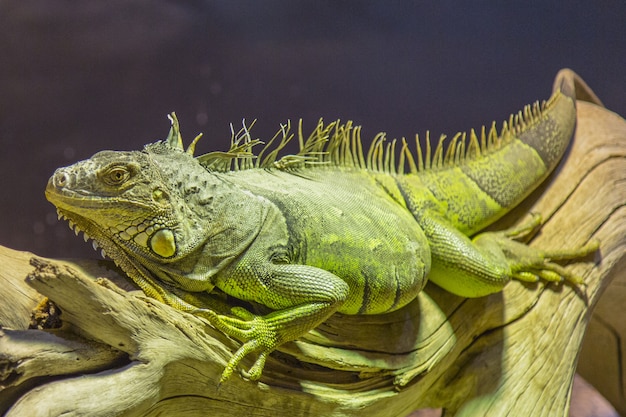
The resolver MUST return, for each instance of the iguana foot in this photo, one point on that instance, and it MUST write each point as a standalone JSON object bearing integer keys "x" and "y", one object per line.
{"x": 531, "y": 264}
{"x": 257, "y": 333}
{"x": 544, "y": 268}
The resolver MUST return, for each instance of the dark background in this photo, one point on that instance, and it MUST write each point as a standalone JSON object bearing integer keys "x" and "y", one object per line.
{"x": 79, "y": 77}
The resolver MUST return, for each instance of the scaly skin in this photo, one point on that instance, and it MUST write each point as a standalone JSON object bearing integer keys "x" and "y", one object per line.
{"x": 328, "y": 230}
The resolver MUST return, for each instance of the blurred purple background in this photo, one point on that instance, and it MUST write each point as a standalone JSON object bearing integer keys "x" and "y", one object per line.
{"x": 79, "y": 77}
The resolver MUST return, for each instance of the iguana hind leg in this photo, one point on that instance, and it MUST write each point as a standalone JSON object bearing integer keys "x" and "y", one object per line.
{"x": 483, "y": 265}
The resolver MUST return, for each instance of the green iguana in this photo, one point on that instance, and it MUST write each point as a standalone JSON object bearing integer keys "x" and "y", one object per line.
{"x": 329, "y": 229}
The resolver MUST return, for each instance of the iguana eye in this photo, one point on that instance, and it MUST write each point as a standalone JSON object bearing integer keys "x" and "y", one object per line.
{"x": 116, "y": 175}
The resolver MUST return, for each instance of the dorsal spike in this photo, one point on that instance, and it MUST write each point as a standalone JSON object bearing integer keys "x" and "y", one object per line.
{"x": 504, "y": 133}
{"x": 286, "y": 136}
{"x": 484, "y": 139}
{"x": 438, "y": 156}
{"x": 536, "y": 109}
{"x": 520, "y": 123}
{"x": 314, "y": 149}
{"x": 356, "y": 140}
{"x": 174, "y": 139}
{"x": 301, "y": 135}
{"x": 339, "y": 158}
{"x": 386, "y": 158}
{"x": 346, "y": 149}
{"x": 267, "y": 146}
{"x": 460, "y": 152}
{"x": 191, "y": 149}
{"x": 428, "y": 161}
{"x": 390, "y": 160}
{"x": 401, "y": 167}
{"x": 420, "y": 157}
{"x": 473, "y": 148}
{"x": 380, "y": 152}
{"x": 450, "y": 156}
{"x": 409, "y": 158}
{"x": 334, "y": 146}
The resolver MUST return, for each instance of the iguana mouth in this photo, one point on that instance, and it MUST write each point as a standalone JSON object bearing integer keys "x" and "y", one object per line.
{"x": 75, "y": 198}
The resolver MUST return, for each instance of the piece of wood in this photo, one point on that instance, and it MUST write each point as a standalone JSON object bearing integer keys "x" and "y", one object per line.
{"x": 511, "y": 353}
{"x": 603, "y": 351}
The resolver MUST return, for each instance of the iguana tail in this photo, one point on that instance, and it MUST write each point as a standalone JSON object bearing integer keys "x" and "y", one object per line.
{"x": 476, "y": 188}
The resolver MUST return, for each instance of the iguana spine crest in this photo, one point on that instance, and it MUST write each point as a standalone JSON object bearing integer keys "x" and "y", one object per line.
{"x": 340, "y": 144}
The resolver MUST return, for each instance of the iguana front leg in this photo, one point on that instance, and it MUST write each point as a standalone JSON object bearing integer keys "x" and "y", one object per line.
{"x": 483, "y": 265}
{"x": 302, "y": 297}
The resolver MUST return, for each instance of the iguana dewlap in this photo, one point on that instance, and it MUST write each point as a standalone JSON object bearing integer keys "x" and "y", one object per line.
{"x": 331, "y": 229}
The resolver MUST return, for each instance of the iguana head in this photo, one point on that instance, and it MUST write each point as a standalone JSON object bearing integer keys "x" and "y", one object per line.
{"x": 118, "y": 198}
{"x": 156, "y": 209}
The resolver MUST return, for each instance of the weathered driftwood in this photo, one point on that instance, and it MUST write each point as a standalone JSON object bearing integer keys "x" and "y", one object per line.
{"x": 512, "y": 353}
